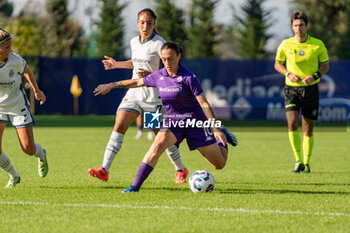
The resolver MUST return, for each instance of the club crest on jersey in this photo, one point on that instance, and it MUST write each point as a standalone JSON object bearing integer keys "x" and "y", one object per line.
{"x": 11, "y": 73}
{"x": 301, "y": 53}
{"x": 179, "y": 79}
{"x": 161, "y": 78}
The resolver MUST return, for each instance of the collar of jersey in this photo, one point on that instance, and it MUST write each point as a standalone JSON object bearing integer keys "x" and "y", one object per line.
{"x": 165, "y": 73}
{"x": 4, "y": 63}
{"x": 295, "y": 39}
{"x": 150, "y": 38}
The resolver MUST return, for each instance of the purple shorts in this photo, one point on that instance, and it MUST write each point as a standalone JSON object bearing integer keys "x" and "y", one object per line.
{"x": 196, "y": 137}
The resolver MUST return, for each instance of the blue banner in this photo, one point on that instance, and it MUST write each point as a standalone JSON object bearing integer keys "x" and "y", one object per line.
{"x": 55, "y": 77}
{"x": 237, "y": 89}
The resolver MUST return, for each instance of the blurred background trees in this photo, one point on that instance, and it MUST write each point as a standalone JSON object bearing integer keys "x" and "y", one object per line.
{"x": 69, "y": 33}
{"x": 6, "y": 8}
{"x": 110, "y": 29}
{"x": 170, "y": 22}
{"x": 251, "y": 29}
{"x": 201, "y": 31}
{"x": 54, "y": 33}
{"x": 328, "y": 21}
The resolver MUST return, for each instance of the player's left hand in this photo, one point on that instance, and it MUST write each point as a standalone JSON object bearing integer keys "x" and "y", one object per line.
{"x": 40, "y": 96}
{"x": 143, "y": 73}
{"x": 103, "y": 89}
{"x": 308, "y": 80}
{"x": 219, "y": 135}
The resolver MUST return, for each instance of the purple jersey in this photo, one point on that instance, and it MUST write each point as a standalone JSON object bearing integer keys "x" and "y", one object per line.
{"x": 178, "y": 93}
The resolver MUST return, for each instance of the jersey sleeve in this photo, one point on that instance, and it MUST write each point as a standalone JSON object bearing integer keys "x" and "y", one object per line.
{"x": 160, "y": 43}
{"x": 194, "y": 85}
{"x": 150, "y": 80}
{"x": 21, "y": 63}
{"x": 280, "y": 55}
{"x": 323, "y": 57}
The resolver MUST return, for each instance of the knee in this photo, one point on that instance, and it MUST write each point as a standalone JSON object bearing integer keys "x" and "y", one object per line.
{"x": 308, "y": 131}
{"x": 220, "y": 166}
{"x": 293, "y": 126}
{"x": 120, "y": 128}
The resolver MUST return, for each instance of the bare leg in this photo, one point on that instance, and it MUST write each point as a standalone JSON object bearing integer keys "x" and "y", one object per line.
{"x": 292, "y": 120}
{"x": 5, "y": 162}
{"x": 308, "y": 126}
{"x": 139, "y": 126}
{"x": 163, "y": 140}
{"x": 123, "y": 119}
{"x": 215, "y": 155}
{"x": 2, "y": 129}
{"x": 26, "y": 139}
{"x": 174, "y": 156}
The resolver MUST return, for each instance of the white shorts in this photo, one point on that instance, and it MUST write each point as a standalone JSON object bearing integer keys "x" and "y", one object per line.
{"x": 133, "y": 105}
{"x": 19, "y": 121}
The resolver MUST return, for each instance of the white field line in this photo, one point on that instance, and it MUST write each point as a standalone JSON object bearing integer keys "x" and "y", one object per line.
{"x": 239, "y": 210}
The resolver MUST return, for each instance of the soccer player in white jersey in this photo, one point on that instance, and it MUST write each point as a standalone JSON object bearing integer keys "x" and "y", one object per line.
{"x": 14, "y": 106}
{"x": 145, "y": 59}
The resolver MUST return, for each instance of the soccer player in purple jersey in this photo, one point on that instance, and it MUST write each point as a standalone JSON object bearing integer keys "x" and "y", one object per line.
{"x": 145, "y": 59}
{"x": 184, "y": 101}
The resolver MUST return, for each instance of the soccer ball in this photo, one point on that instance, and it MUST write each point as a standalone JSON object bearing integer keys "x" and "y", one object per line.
{"x": 201, "y": 182}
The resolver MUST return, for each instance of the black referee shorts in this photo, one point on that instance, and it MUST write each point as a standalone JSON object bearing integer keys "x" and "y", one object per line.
{"x": 304, "y": 98}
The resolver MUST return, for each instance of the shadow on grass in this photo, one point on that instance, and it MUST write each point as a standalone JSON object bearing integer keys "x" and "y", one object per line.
{"x": 172, "y": 189}
{"x": 279, "y": 191}
{"x": 217, "y": 190}
{"x": 83, "y": 187}
{"x": 292, "y": 184}
{"x": 111, "y": 187}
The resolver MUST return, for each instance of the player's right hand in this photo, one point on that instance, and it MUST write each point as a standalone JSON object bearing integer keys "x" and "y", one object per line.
{"x": 108, "y": 63}
{"x": 293, "y": 77}
{"x": 220, "y": 136}
{"x": 40, "y": 96}
{"x": 103, "y": 89}
{"x": 143, "y": 73}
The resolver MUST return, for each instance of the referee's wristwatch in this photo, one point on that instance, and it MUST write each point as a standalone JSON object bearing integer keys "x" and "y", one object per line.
{"x": 287, "y": 74}
{"x": 316, "y": 75}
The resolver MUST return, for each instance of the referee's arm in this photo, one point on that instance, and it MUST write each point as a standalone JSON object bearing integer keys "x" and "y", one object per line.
{"x": 324, "y": 68}
{"x": 282, "y": 70}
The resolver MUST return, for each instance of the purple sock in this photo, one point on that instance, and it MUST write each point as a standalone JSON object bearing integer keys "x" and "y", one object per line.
{"x": 220, "y": 144}
{"x": 139, "y": 127}
{"x": 142, "y": 174}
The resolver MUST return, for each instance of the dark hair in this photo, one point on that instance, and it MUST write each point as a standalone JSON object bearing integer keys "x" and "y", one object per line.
{"x": 4, "y": 36}
{"x": 172, "y": 45}
{"x": 148, "y": 11}
{"x": 299, "y": 15}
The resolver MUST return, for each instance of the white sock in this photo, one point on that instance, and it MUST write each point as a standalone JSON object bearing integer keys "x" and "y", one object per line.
{"x": 6, "y": 165}
{"x": 113, "y": 146}
{"x": 39, "y": 153}
{"x": 175, "y": 157}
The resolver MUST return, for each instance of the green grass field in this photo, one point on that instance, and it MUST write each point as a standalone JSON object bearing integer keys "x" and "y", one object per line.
{"x": 255, "y": 192}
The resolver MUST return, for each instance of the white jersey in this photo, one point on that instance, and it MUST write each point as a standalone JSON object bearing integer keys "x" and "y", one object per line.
{"x": 12, "y": 96}
{"x": 146, "y": 56}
